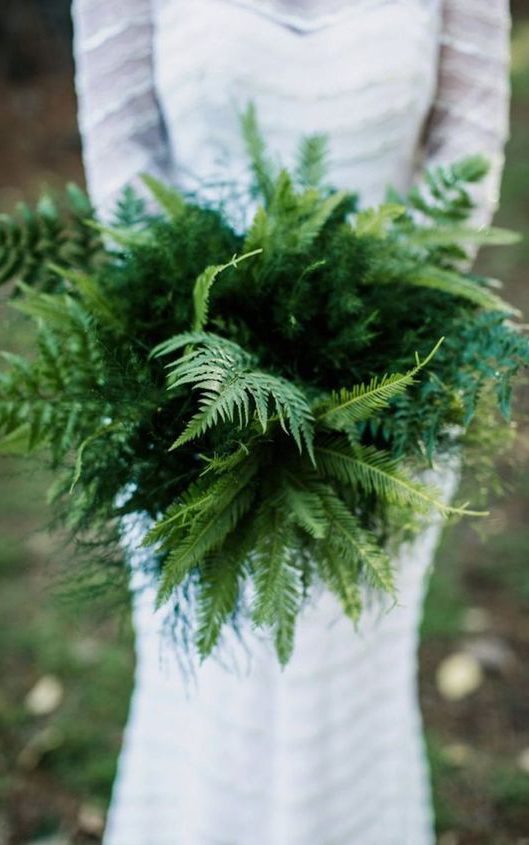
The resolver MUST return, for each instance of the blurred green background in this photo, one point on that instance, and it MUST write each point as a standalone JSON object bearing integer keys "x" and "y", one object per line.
{"x": 66, "y": 662}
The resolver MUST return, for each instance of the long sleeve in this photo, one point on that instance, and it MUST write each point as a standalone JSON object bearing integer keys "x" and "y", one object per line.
{"x": 471, "y": 110}
{"x": 120, "y": 121}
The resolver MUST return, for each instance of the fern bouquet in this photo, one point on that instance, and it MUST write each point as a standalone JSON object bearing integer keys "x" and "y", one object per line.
{"x": 267, "y": 397}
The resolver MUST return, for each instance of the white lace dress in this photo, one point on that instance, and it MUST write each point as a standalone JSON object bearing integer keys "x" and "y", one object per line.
{"x": 328, "y": 751}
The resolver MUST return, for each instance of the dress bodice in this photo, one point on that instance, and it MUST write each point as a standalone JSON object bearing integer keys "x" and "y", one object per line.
{"x": 301, "y": 15}
{"x": 394, "y": 84}
{"x": 362, "y": 72}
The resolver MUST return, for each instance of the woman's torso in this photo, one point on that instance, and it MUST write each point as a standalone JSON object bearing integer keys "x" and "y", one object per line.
{"x": 361, "y": 71}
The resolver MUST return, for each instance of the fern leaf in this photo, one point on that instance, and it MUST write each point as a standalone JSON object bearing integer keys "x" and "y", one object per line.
{"x": 278, "y": 584}
{"x": 169, "y": 199}
{"x": 305, "y": 507}
{"x": 377, "y": 472}
{"x": 204, "y": 284}
{"x": 126, "y": 238}
{"x": 375, "y": 222}
{"x": 187, "y": 339}
{"x": 101, "y": 432}
{"x": 259, "y": 232}
{"x": 91, "y": 293}
{"x": 197, "y": 498}
{"x": 308, "y": 230}
{"x": 446, "y": 235}
{"x": 32, "y": 238}
{"x": 231, "y": 391}
{"x": 357, "y": 544}
{"x": 218, "y": 592}
{"x": 340, "y": 574}
{"x": 348, "y": 407}
{"x": 312, "y": 156}
{"x": 59, "y": 311}
{"x": 209, "y": 528}
{"x": 263, "y": 170}
{"x": 455, "y": 284}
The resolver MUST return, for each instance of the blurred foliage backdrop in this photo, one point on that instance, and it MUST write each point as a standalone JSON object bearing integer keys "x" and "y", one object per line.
{"x": 66, "y": 663}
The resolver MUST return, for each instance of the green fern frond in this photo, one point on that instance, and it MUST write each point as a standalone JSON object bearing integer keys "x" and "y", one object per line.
{"x": 260, "y": 231}
{"x": 457, "y": 285}
{"x": 204, "y": 284}
{"x": 122, "y": 236}
{"x": 377, "y": 472}
{"x": 217, "y": 596}
{"x": 278, "y": 583}
{"x": 16, "y": 440}
{"x": 196, "y": 499}
{"x": 169, "y": 199}
{"x": 58, "y": 311}
{"x": 92, "y": 294}
{"x": 445, "y": 197}
{"x": 311, "y": 158}
{"x": 231, "y": 391}
{"x": 341, "y": 575}
{"x": 348, "y": 407}
{"x": 100, "y": 432}
{"x": 206, "y": 533}
{"x": 264, "y": 172}
{"x": 375, "y": 222}
{"x": 309, "y": 229}
{"x": 433, "y": 236}
{"x": 305, "y": 506}
{"x": 31, "y": 239}
{"x": 187, "y": 339}
{"x": 357, "y": 544}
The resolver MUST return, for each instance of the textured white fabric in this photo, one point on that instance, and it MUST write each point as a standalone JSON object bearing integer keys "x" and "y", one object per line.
{"x": 329, "y": 750}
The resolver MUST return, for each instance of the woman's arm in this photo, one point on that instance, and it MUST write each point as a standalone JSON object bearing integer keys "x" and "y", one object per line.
{"x": 471, "y": 110}
{"x": 120, "y": 121}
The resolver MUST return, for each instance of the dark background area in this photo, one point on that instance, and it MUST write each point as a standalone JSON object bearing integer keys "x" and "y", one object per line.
{"x": 66, "y": 662}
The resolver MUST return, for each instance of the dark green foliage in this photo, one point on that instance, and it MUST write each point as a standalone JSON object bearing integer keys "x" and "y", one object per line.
{"x": 32, "y": 239}
{"x": 258, "y": 395}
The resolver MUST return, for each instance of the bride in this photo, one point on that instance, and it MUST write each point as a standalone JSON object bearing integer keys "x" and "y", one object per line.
{"x": 328, "y": 751}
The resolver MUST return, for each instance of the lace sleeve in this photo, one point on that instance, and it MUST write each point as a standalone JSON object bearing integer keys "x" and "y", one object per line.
{"x": 471, "y": 110}
{"x": 120, "y": 121}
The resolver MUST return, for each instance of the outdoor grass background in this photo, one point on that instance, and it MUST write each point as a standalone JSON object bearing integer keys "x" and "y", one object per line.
{"x": 56, "y": 770}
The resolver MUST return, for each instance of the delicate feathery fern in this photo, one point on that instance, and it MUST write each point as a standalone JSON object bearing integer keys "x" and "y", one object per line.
{"x": 92, "y": 294}
{"x": 310, "y": 228}
{"x": 292, "y": 219}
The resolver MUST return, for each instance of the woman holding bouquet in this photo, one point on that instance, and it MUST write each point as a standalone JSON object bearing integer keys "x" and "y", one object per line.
{"x": 329, "y": 749}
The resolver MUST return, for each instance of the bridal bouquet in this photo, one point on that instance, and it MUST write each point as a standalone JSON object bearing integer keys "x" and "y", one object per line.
{"x": 267, "y": 397}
